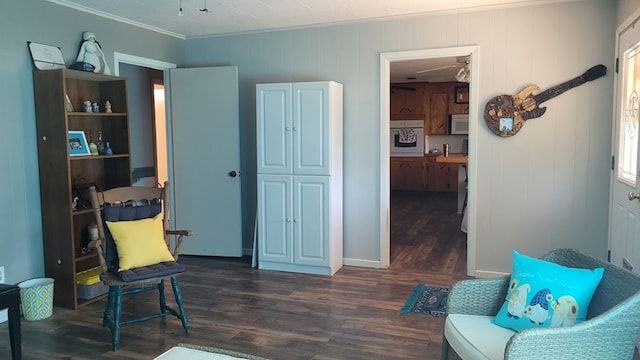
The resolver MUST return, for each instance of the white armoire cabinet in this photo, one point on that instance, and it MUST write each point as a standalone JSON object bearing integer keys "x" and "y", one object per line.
{"x": 299, "y": 160}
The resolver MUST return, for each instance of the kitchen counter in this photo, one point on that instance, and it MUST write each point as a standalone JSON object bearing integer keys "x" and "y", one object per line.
{"x": 462, "y": 160}
{"x": 453, "y": 159}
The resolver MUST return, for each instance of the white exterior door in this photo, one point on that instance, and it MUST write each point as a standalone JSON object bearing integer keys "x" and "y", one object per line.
{"x": 206, "y": 159}
{"x": 624, "y": 226}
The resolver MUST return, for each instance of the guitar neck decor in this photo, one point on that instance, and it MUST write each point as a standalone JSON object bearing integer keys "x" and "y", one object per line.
{"x": 505, "y": 115}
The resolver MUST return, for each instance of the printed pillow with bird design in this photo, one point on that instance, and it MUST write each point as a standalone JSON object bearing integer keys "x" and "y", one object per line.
{"x": 546, "y": 294}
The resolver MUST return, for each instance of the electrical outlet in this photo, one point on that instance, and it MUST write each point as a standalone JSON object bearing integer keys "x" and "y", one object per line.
{"x": 2, "y": 280}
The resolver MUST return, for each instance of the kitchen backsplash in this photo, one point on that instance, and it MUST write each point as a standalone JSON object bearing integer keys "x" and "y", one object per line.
{"x": 437, "y": 141}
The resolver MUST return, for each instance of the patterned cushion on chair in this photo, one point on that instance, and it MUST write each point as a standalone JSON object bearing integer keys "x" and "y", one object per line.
{"x": 151, "y": 271}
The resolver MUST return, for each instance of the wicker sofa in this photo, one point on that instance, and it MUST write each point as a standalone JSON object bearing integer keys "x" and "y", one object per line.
{"x": 610, "y": 331}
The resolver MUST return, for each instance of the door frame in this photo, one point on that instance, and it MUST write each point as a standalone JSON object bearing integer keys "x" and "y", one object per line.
{"x": 385, "y": 203}
{"x": 122, "y": 58}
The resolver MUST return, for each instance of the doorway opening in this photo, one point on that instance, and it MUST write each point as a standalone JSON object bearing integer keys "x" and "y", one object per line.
{"x": 150, "y": 76}
{"x": 385, "y": 187}
{"x": 160, "y": 131}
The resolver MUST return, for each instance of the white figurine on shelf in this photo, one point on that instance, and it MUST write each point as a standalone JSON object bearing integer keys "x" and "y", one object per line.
{"x": 107, "y": 106}
{"x": 91, "y": 53}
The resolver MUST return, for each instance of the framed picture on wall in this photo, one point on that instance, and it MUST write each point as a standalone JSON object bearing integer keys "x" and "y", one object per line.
{"x": 461, "y": 94}
{"x": 78, "y": 144}
{"x": 506, "y": 124}
{"x": 45, "y": 57}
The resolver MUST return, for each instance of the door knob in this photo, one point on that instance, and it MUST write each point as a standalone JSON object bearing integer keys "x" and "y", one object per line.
{"x": 233, "y": 173}
{"x": 634, "y": 195}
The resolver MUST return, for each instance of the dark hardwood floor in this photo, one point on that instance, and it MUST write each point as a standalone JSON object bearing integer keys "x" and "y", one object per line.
{"x": 425, "y": 233}
{"x": 351, "y": 315}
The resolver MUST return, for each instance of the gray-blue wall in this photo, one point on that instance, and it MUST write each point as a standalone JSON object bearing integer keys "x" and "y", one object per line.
{"x": 530, "y": 189}
{"x": 47, "y": 23}
{"x": 543, "y": 188}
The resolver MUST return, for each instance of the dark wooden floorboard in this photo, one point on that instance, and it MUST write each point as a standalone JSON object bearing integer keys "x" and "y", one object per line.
{"x": 351, "y": 315}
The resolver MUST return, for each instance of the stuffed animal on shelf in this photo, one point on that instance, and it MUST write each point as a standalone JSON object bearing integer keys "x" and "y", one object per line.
{"x": 91, "y": 53}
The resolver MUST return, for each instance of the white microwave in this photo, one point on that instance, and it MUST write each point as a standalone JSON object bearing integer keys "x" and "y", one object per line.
{"x": 459, "y": 124}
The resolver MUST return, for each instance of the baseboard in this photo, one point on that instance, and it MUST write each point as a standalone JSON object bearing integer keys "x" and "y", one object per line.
{"x": 362, "y": 263}
{"x": 482, "y": 274}
{"x": 345, "y": 261}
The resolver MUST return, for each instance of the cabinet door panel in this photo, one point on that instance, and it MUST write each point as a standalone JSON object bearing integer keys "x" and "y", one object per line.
{"x": 407, "y": 101}
{"x": 439, "y": 177}
{"x": 311, "y": 124}
{"x": 439, "y": 114}
{"x": 274, "y": 128}
{"x": 275, "y": 218}
{"x": 408, "y": 174}
{"x": 311, "y": 221}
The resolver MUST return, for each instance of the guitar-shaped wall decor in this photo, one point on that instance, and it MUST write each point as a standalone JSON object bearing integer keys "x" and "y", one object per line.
{"x": 505, "y": 114}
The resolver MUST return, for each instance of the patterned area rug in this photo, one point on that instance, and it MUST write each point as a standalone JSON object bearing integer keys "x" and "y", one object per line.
{"x": 199, "y": 352}
{"x": 426, "y": 300}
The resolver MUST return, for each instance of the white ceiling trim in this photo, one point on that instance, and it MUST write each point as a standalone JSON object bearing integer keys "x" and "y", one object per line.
{"x": 116, "y": 18}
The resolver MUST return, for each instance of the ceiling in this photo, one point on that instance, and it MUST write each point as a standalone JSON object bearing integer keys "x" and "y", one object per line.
{"x": 219, "y": 17}
{"x": 426, "y": 70}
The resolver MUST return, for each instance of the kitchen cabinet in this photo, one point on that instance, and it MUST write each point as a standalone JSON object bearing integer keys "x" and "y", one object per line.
{"x": 441, "y": 176}
{"x": 438, "y": 114}
{"x": 422, "y": 174}
{"x": 407, "y": 101}
{"x": 459, "y": 160}
{"x": 296, "y": 223}
{"x": 299, "y": 152}
{"x": 407, "y": 174}
{"x": 64, "y": 179}
{"x": 440, "y": 104}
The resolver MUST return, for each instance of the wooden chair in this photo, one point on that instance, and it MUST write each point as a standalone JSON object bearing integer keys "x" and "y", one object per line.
{"x": 122, "y": 207}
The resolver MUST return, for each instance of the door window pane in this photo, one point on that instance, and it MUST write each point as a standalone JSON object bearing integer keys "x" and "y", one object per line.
{"x": 628, "y": 144}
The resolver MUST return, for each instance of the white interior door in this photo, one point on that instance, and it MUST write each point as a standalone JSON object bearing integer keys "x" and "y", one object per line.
{"x": 625, "y": 207}
{"x": 206, "y": 159}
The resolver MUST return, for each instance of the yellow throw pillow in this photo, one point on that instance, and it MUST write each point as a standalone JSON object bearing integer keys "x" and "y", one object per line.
{"x": 139, "y": 242}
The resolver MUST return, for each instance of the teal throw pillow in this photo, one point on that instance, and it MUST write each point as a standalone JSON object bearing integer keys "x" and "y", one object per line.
{"x": 545, "y": 294}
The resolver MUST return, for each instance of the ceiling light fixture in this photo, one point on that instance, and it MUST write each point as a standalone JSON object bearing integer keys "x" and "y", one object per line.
{"x": 464, "y": 74}
{"x": 180, "y": 12}
{"x": 205, "y": 9}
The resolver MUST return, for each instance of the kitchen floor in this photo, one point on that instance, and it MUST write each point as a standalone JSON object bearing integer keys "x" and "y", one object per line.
{"x": 425, "y": 233}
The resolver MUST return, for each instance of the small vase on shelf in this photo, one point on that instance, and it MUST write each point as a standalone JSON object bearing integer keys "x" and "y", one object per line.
{"x": 107, "y": 150}
{"x": 100, "y": 143}
{"x": 93, "y": 148}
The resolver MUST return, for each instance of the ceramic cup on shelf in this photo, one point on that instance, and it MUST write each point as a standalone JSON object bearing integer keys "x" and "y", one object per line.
{"x": 93, "y": 232}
